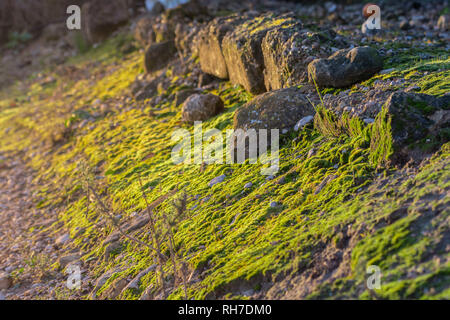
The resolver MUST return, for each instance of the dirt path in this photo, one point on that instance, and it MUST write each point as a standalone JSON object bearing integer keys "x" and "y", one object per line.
{"x": 27, "y": 249}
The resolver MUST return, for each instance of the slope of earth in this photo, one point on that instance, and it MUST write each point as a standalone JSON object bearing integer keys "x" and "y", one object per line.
{"x": 87, "y": 179}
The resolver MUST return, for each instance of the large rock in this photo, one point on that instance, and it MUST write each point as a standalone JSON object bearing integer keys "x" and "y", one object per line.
{"x": 242, "y": 51}
{"x": 158, "y": 55}
{"x": 406, "y": 118}
{"x": 209, "y": 45}
{"x": 279, "y": 109}
{"x": 201, "y": 107}
{"x": 101, "y": 17}
{"x": 5, "y": 281}
{"x": 143, "y": 32}
{"x": 288, "y": 50}
{"x": 345, "y": 67}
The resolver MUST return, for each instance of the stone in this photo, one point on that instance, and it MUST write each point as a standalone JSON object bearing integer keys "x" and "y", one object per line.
{"x": 158, "y": 55}
{"x": 217, "y": 180}
{"x": 201, "y": 107}
{"x": 242, "y": 50}
{"x": 411, "y": 117}
{"x": 5, "y": 281}
{"x": 113, "y": 246}
{"x": 186, "y": 37}
{"x": 345, "y": 67}
{"x": 134, "y": 284}
{"x": 182, "y": 95}
{"x": 143, "y": 32}
{"x": 62, "y": 239}
{"x": 288, "y": 50}
{"x": 209, "y": 45}
{"x": 277, "y": 109}
{"x": 68, "y": 259}
{"x": 303, "y": 122}
{"x": 101, "y": 17}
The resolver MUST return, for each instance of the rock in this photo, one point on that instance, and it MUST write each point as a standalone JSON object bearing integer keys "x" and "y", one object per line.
{"x": 114, "y": 289}
{"x": 248, "y": 185}
{"x": 274, "y": 204}
{"x": 68, "y": 259}
{"x": 345, "y": 67}
{"x": 217, "y": 180}
{"x": 101, "y": 17}
{"x": 410, "y": 116}
{"x": 186, "y": 37}
{"x": 303, "y": 122}
{"x": 62, "y": 239}
{"x": 158, "y": 55}
{"x": 5, "y": 281}
{"x": 143, "y": 32}
{"x": 443, "y": 23}
{"x": 205, "y": 79}
{"x": 201, "y": 107}
{"x": 182, "y": 95}
{"x": 134, "y": 284}
{"x": 209, "y": 45}
{"x": 113, "y": 246}
{"x": 146, "y": 92}
{"x": 288, "y": 50}
{"x": 242, "y": 51}
{"x": 273, "y": 110}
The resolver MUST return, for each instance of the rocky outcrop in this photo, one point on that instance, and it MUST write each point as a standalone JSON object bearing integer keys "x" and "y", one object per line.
{"x": 201, "y": 107}
{"x": 242, "y": 50}
{"x": 288, "y": 50}
{"x": 209, "y": 45}
{"x": 345, "y": 67}
{"x": 101, "y": 17}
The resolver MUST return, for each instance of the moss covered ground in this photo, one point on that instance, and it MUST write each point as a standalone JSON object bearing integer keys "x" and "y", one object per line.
{"x": 332, "y": 192}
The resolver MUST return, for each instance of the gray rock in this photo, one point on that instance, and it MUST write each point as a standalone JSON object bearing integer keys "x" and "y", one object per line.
{"x": 5, "y": 281}
{"x": 303, "y": 122}
{"x": 248, "y": 185}
{"x": 242, "y": 51}
{"x": 201, "y": 107}
{"x": 217, "y": 180}
{"x": 411, "y": 117}
{"x": 68, "y": 259}
{"x": 134, "y": 284}
{"x": 209, "y": 45}
{"x": 273, "y": 110}
{"x": 345, "y": 67}
{"x": 182, "y": 95}
{"x": 286, "y": 61}
{"x": 62, "y": 239}
{"x": 158, "y": 55}
{"x": 143, "y": 31}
